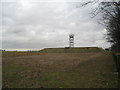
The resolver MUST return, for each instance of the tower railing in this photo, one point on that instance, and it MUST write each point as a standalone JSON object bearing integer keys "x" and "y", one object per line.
{"x": 71, "y": 40}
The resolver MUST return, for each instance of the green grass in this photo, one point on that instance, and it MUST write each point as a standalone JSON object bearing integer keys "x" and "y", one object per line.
{"x": 18, "y": 53}
{"x": 97, "y": 73}
{"x": 51, "y": 50}
{"x": 71, "y": 50}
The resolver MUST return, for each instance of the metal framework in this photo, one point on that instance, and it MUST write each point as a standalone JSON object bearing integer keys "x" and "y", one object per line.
{"x": 71, "y": 40}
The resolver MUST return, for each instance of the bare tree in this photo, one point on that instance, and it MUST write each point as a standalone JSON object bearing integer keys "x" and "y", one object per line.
{"x": 111, "y": 20}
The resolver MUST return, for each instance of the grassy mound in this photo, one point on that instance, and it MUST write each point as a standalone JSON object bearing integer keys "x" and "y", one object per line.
{"x": 72, "y": 50}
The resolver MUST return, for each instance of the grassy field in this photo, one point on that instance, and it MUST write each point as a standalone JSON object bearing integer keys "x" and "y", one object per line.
{"x": 58, "y": 70}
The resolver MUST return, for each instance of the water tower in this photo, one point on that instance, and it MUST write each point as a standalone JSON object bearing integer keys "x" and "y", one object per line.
{"x": 71, "y": 40}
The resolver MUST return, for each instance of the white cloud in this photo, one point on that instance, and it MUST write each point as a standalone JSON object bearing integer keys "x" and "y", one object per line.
{"x": 48, "y": 24}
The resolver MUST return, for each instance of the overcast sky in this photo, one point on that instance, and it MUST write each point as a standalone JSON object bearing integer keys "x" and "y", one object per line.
{"x": 37, "y": 25}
